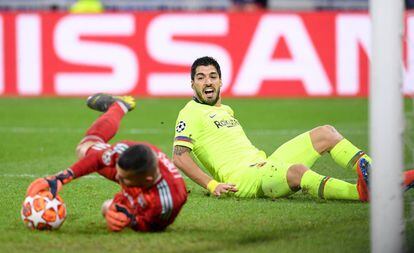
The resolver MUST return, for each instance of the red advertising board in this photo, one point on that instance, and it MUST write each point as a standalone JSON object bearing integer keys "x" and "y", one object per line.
{"x": 264, "y": 54}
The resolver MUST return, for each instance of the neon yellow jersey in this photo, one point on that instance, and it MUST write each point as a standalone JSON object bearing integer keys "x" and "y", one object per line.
{"x": 216, "y": 139}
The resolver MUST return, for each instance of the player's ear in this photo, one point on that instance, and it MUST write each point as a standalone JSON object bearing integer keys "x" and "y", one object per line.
{"x": 192, "y": 84}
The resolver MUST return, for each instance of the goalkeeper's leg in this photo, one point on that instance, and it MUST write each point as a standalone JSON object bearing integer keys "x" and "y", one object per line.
{"x": 107, "y": 125}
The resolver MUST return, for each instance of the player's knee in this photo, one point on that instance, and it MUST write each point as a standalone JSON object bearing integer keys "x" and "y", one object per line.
{"x": 294, "y": 175}
{"x": 331, "y": 133}
{"x": 332, "y": 136}
{"x": 105, "y": 206}
{"x": 325, "y": 137}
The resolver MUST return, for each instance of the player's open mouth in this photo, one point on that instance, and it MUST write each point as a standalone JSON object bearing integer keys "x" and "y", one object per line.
{"x": 209, "y": 92}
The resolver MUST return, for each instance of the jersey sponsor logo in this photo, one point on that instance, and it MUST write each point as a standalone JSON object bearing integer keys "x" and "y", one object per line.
{"x": 180, "y": 126}
{"x": 263, "y": 68}
{"x": 226, "y": 123}
{"x": 166, "y": 199}
{"x": 212, "y": 115}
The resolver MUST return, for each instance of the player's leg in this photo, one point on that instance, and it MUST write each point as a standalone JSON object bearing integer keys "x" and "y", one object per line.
{"x": 298, "y": 150}
{"x": 309, "y": 146}
{"x": 106, "y": 126}
{"x": 343, "y": 152}
{"x": 247, "y": 180}
{"x": 274, "y": 183}
{"x": 280, "y": 180}
{"x": 323, "y": 187}
{"x": 346, "y": 154}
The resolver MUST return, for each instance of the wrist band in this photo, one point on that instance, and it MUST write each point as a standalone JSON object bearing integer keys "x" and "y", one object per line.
{"x": 211, "y": 186}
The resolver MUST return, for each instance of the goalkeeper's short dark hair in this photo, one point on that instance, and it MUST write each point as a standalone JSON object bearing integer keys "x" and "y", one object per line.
{"x": 205, "y": 61}
{"x": 138, "y": 158}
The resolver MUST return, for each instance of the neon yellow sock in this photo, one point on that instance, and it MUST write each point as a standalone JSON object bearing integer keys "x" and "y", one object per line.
{"x": 328, "y": 188}
{"x": 346, "y": 155}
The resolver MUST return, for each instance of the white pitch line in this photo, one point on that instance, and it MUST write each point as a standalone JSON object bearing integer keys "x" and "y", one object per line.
{"x": 155, "y": 131}
{"x": 37, "y": 176}
{"x": 40, "y": 130}
{"x": 101, "y": 177}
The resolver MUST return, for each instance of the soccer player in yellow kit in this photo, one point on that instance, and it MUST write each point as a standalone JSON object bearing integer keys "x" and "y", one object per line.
{"x": 208, "y": 135}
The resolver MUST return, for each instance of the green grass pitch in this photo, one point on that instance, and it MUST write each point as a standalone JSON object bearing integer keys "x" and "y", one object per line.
{"x": 38, "y": 137}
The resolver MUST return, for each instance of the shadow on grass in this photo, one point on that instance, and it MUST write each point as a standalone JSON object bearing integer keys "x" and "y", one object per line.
{"x": 253, "y": 239}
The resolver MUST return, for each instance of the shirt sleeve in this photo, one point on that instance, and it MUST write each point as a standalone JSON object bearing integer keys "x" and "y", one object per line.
{"x": 186, "y": 129}
{"x": 88, "y": 164}
{"x": 99, "y": 158}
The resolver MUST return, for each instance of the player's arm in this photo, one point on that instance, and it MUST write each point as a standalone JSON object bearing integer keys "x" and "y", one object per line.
{"x": 119, "y": 216}
{"x": 116, "y": 213}
{"x": 183, "y": 160}
{"x": 86, "y": 165}
{"x": 51, "y": 183}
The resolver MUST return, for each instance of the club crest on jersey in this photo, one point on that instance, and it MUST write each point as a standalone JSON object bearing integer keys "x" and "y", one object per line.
{"x": 180, "y": 126}
{"x": 107, "y": 157}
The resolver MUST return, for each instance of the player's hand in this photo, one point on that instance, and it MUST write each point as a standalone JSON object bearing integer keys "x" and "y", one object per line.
{"x": 116, "y": 220}
{"x": 50, "y": 183}
{"x": 44, "y": 184}
{"x": 224, "y": 188}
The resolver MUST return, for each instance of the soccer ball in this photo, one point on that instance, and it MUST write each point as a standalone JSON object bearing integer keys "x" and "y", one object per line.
{"x": 43, "y": 212}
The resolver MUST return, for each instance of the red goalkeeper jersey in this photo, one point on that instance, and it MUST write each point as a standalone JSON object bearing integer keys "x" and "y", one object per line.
{"x": 154, "y": 208}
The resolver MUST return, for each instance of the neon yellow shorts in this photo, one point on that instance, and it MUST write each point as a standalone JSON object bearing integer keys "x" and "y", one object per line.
{"x": 270, "y": 179}
{"x": 298, "y": 150}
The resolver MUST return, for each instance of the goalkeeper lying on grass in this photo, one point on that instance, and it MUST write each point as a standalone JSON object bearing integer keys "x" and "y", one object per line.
{"x": 153, "y": 190}
{"x": 208, "y": 132}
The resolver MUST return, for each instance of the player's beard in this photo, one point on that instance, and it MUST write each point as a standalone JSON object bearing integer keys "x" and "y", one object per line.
{"x": 208, "y": 101}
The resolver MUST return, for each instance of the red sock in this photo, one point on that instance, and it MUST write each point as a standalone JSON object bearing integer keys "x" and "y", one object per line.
{"x": 106, "y": 126}
{"x": 408, "y": 177}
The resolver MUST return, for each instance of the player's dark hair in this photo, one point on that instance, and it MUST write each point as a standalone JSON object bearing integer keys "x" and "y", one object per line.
{"x": 204, "y": 61}
{"x": 138, "y": 158}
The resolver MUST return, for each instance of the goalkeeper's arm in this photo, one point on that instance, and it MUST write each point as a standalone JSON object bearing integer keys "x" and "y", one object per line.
{"x": 183, "y": 160}
{"x": 88, "y": 164}
{"x": 52, "y": 183}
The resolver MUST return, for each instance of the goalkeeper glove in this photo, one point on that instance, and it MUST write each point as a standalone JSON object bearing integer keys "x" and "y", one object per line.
{"x": 118, "y": 217}
{"x": 51, "y": 183}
